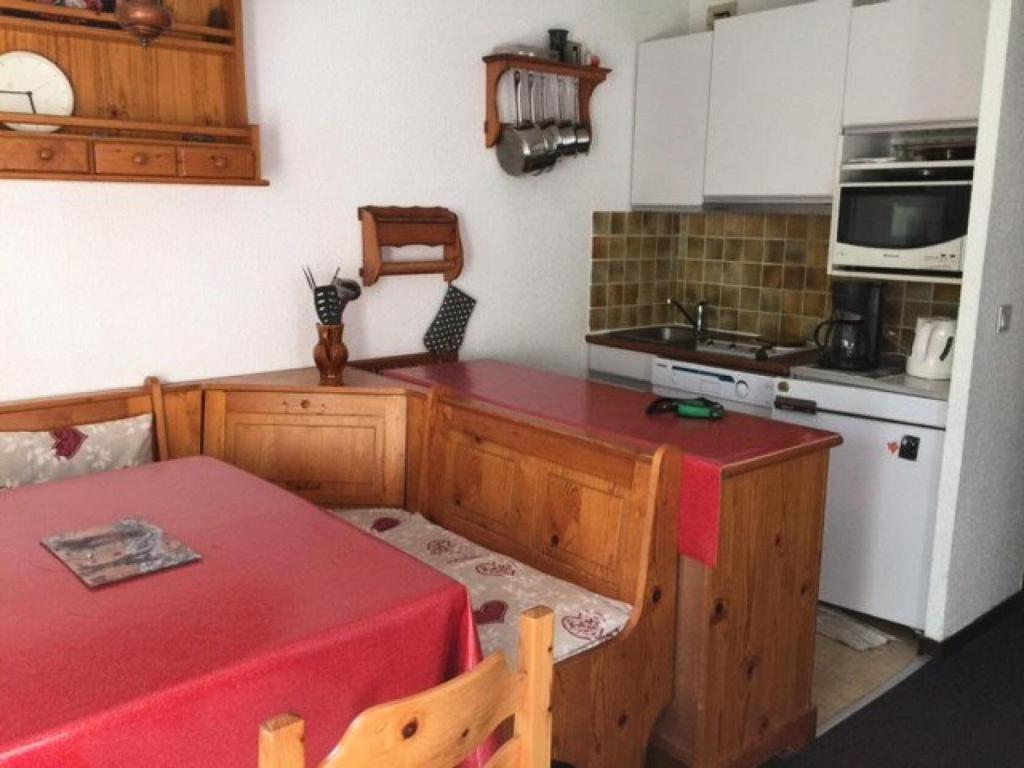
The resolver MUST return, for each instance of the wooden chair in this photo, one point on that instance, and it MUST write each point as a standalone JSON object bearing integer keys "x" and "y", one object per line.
{"x": 440, "y": 727}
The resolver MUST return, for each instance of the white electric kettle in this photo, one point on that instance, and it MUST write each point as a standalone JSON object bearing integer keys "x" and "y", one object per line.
{"x": 932, "y": 355}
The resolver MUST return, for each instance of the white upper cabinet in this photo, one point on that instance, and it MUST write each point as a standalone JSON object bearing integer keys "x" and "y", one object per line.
{"x": 777, "y": 103}
{"x": 670, "y": 122}
{"x": 916, "y": 61}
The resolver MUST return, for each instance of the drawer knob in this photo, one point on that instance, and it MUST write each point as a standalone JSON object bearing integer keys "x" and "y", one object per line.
{"x": 141, "y": 158}
{"x": 220, "y": 162}
{"x": 45, "y": 154}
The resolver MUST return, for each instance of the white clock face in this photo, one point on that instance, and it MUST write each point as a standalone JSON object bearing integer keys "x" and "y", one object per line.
{"x": 33, "y": 84}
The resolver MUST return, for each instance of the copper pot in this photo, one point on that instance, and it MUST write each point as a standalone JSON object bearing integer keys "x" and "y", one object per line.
{"x": 146, "y": 19}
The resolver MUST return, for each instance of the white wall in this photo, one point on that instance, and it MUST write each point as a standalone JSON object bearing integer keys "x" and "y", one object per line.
{"x": 362, "y": 102}
{"x": 979, "y": 547}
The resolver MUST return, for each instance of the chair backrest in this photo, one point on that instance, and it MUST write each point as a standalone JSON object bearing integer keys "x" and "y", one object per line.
{"x": 57, "y": 412}
{"x": 567, "y": 504}
{"x": 440, "y": 727}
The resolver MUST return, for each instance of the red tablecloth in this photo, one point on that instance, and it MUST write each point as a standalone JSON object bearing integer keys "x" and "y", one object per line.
{"x": 290, "y": 610}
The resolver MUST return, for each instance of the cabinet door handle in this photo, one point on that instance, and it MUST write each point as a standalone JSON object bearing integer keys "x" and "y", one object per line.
{"x": 46, "y": 154}
{"x": 220, "y": 162}
{"x": 140, "y": 159}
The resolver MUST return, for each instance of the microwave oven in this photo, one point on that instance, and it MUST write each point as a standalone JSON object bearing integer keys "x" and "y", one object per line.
{"x": 908, "y": 228}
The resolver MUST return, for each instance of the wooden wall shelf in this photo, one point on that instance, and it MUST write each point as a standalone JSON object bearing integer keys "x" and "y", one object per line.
{"x": 500, "y": 63}
{"x": 173, "y": 112}
{"x": 398, "y": 227}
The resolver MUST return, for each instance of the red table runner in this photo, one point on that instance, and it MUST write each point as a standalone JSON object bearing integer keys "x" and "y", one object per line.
{"x": 290, "y": 610}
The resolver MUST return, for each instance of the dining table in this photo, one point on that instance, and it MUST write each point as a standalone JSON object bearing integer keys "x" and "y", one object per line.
{"x": 289, "y": 610}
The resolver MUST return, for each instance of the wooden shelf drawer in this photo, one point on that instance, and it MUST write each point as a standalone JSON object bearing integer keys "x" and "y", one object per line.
{"x": 135, "y": 159}
{"x": 44, "y": 155}
{"x": 217, "y": 162}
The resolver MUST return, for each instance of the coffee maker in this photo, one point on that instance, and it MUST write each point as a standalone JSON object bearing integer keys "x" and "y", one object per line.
{"x": 852, "y": 338}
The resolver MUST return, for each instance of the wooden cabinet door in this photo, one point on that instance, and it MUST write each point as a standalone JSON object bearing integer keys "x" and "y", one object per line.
{"x": 670, "y": 121}
{"x": 333, "y": 449}
{"x": 777, "y": 80}
{"x": 916, "y": 61}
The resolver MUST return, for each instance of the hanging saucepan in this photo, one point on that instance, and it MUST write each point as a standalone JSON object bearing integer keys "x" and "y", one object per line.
{"x": 548, "y": 124}
{"x": 549, "y": 132}
{"x": 522, "y": 144}
{"x": 582, "y": 132}
{"x": 566, "y": 129}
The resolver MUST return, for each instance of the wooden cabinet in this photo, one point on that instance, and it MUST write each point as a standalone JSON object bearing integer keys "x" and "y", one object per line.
{"x": 670, "y": 121}
{"x": 184, "y": 94}
{"x": 916, "y": 61}
{"x": 331, "y": 448}
{"x": 776, "y": 103}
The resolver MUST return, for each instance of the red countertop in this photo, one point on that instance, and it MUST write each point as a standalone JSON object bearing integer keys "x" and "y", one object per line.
{"x": 736, "y": 443}
{"x": 290, "y": 610}
{"x": 712, "y": 450}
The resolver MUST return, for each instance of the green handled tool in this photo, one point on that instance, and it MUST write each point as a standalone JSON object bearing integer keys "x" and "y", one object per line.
{"x": 694, "y": 408}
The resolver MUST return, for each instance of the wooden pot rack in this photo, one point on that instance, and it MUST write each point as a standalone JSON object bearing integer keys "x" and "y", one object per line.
{"x": 500, "y": 63}
{"x": 399, "y": 227}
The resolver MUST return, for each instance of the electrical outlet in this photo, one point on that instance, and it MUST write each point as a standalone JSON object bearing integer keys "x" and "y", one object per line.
{"x": 1003, "y": 315}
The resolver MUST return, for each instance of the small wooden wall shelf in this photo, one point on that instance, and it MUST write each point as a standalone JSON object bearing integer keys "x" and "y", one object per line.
{"x": 175, "y": 112}
{"x": 398, "y": 227}
{"x": 500, "y": 63}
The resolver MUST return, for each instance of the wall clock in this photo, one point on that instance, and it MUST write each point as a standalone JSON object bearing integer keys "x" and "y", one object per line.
{"x": 33, "y": 84}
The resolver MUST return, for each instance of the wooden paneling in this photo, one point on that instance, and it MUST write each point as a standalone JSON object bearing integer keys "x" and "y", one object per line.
{"x": 745, "y": 657}
{"x": 341, "y": 449}
{"x": 166, "y": 85}
{"x": 184, "y": 408}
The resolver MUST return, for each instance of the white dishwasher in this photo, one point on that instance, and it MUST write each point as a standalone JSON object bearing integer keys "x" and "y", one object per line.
{"x": 738, "y": 391}
{"x": 882, "y": 487}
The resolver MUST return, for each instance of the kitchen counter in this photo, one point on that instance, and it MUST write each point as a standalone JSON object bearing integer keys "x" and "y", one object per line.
{"x": 734, "y": 444}
{"x": 779, "y": 366}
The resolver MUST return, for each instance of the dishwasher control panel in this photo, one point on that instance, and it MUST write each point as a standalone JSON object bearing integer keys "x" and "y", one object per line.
{"x": 721, "y": 384}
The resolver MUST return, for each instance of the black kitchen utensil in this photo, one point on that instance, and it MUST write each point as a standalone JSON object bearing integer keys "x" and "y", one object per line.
{"x": 449, "y": 327}
{"x": 330, "y": 300}
{"x": 328, "y": 306}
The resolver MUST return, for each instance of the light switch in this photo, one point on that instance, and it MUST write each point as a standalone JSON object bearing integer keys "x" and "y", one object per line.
{"x": 1003, "y": 315}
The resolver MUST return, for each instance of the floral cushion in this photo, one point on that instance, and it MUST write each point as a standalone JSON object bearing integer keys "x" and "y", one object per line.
{"x": 28, "y": 458}
{"x": 501, "y": 588}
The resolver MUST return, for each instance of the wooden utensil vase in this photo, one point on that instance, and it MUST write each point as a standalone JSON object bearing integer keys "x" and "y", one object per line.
{"x": 330, "y": 354}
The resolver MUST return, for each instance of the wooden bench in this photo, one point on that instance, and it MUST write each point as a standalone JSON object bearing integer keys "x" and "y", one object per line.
{"x": 58, "y": 412}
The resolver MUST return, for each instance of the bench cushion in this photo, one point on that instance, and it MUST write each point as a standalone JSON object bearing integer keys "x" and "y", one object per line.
{"x": 28, "y": 458}
{"x": 500, "y": 587}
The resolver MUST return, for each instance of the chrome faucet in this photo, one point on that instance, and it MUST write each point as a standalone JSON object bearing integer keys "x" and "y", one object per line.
{"x": 700, "y": 323}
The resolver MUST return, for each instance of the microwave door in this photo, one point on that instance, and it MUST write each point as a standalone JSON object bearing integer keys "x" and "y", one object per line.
{"x": 904, "y": 226}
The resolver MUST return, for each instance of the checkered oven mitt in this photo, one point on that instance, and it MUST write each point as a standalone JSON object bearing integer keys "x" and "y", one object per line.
{"x": 447, "y": 331}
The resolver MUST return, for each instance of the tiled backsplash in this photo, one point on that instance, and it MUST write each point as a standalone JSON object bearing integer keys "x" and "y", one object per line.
{"x": 760, "y": 273}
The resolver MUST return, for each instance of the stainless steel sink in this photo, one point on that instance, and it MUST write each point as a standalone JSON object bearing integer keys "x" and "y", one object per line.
{"x": 670, "y": 335}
